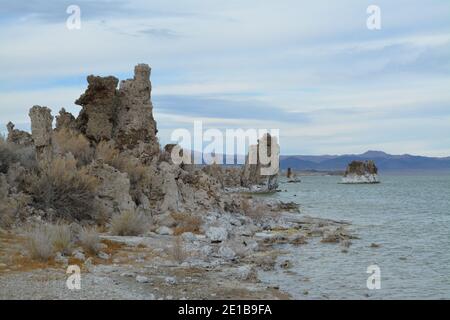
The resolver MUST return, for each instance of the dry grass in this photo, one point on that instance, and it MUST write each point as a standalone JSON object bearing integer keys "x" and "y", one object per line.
{"x": 7, "y": 156}
{"x": 43, "y": 241}
{"x": 12, "y": 208}
{"x": 89, "y": 240}
{"x": 61, "y": 238}
{"x": 106, "y": 151}
{"x": 255, "y": 211}
{"x": 128, "y": 223}
{"x": 186, "y": 223}
{"x": 39, "y": 243}
{"x": 178, "y": 251}
{"x": 69, "y": 141}
{"x": 7, "y": 212}
{"x": 12, "y": 153}
{"x": 69, "y": 190}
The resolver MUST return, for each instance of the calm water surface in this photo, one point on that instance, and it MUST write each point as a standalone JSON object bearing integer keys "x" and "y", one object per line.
{"x": 409, "y": 216}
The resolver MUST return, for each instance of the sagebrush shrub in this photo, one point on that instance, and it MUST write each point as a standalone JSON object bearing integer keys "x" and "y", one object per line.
{"x": 128, "y": 223}
{"x": 7, "y": 156}
{"x": 61, "y": 238}
{"x": 69, "y": 190}
{"x": 11, "y": 153}
{"x": 89, "y": 240}
{"x": 39, "y": 243}
{"x": 69, "y": 141}
{"x": 186, "y": 223}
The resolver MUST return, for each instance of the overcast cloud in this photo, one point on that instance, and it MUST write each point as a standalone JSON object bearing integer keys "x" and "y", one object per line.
{"x": 310, "y": 68}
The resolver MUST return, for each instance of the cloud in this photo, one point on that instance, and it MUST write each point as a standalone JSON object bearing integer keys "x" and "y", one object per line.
{"x": 309, "y": 68}
{"x": 160, "y": 33}
{"x": 198, "y": 106}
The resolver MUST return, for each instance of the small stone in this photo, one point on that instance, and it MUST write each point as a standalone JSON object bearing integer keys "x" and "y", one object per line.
{"x": 128, "y": 274}
{"x": 188, "y": 236}
{"x": 226, "y": 253}
{"x": 166, "y": 231}
{"x": 61, "y": 259}
{"x": 171, "y": 280}
{"x": 286, "y": 264}
{"x": 79, "y": 255}
{"x": 206, "y": 251}
{"x": 246, "y": 273}
{"x": 88, "y": 263}
{"x": 142, "y": 279}
{"x": 217, "y": 234}
{"x": 103, "y": 256}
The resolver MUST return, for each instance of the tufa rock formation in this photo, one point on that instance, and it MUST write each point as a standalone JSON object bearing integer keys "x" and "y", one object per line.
{"x": 41, "y": 131}
{"x": 124, "y": 115}
{"x": 113, "y": 142}
{"x": 291, "y": 176}
{"x": 255, "y": 171}
{"x": 361, "y": 172}
{"x": 18, "y": 137}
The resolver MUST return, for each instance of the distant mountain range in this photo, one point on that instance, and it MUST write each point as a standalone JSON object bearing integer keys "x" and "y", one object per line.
{"x": 384, "y": 161}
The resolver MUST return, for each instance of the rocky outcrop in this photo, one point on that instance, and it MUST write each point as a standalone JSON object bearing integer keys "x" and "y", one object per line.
{"x": 117, "y": 127}
{"x": 41, "y": 131}
{"x": 361, "y": 172}
{"x": 255, "y": 171}
{"x": 19, "y": 137}
{"x": 124, "y": 115}
{"x": 113, "y": 192}
{"x": 99, "y": 102}
{"x": 135, "y": 121}
{"x": 291, "y": 176}
{"x": 65, "y": 120}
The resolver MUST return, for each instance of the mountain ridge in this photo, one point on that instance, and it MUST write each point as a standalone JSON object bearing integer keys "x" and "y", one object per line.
{"x": 383, "y": 160}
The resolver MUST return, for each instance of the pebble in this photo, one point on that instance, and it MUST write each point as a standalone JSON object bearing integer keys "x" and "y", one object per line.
{"x": 142, "y": 279}
{"x": 165, "y": 231}
{"x": 171, "y": 280}
{"x": 103, "y": 255}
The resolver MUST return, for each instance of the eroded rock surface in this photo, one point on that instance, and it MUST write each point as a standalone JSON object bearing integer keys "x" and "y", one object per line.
{"x": 361, "y": 172}
{"x": 19, "y": 137}
{"x": 41, "y": 130}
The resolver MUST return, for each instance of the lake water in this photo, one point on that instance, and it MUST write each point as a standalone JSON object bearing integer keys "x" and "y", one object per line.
{"x": 408, "y": 216}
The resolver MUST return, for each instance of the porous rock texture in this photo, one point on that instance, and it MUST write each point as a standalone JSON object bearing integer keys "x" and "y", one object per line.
{"x": 41, "y": 130}
{"x": 135, "y": 173}
{"x": 255, "y": 172}
{"x": 361, "y": 172}
{"x": 113, "y": 193}
{"x": 18, "y": 137}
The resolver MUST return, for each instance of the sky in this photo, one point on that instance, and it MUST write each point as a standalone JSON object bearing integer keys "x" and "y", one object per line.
{"x": 311, "y": 69}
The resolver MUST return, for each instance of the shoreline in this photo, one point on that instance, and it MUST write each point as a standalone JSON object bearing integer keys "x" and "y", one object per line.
{"x": 143, "y": 267}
